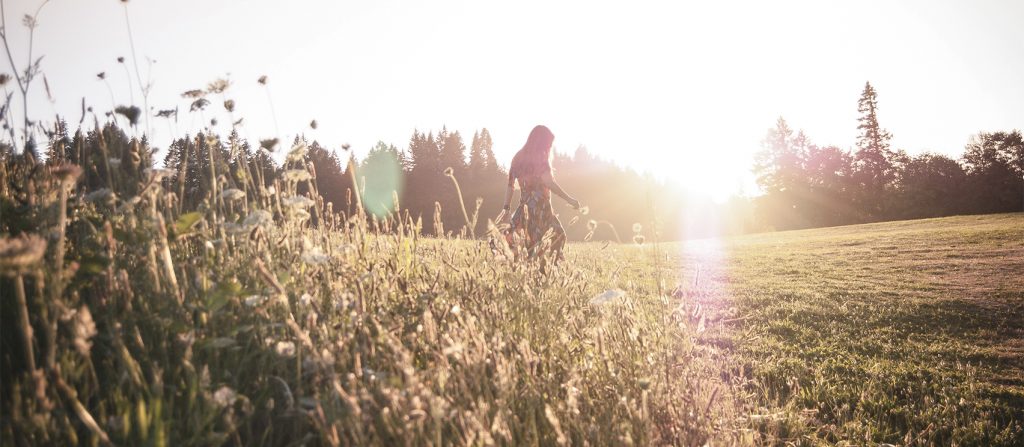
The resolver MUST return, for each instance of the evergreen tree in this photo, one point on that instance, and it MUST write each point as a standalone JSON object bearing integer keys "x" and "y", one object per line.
{"x": 875, "y": 171}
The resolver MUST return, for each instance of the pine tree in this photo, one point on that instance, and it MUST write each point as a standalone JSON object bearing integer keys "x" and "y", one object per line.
{"x": 875, "y": 171}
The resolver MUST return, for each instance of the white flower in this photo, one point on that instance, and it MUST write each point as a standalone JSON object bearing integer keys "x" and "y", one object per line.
{"x": 456, "y": 310}
{"x": 225, "y": 396}
{"x": 298, "y": 151}
{"x": 297, "y": 202}
{"x": 285, "y": 348}
{"x": 232, "y": 194}
{"x": 607, "y": 296}
{"x": 259, "y": 218}
{"x": 255, "y": 300}
{"x": 233, "y": 228}
{"x": 296, "y": 175}
{"x": 315, "y": 256}
{"x": 84, "y": 329}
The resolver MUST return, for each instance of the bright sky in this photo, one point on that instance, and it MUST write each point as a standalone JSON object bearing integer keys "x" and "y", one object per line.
{"x": 685, "y": 90}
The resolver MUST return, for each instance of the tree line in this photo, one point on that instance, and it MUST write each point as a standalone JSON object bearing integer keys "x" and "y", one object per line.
{"x": 419, "y": 178}
{"x": 806, "y": 185}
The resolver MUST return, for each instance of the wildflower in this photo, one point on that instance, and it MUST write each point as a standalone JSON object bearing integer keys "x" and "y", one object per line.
{"x": 262, "y": 80}
{"x": 229, "y": 105}
{"x": 456, "y": 310}
{"x": 637, "y": 227}
{"x": 259, "y": 218}
{"x": 254, "y": 300}
{"x": 231, "y": 194}
{"x": 167, "y": 113}
{"x": 315, "y": 256}
{"x": 66, "y": 173}
{"x": 607, "y": 296}
{"x": 84, "y": 329}
{"x": 131, "y": 113}
{"x": 193, "y": 94}
{"x": 199, "y": 104}
{"x": 218, "y": 86}
{"x": 19, "y": 253}
{"x": 225, "y": 396}
{"x": 285, "y": 348}
{"x": 301, "y": 215}
{"x": 296, "y": 175}
{"x": 638, "y": 239}
{"x": 269, "y": 144}
{"x": 297, "y": 202}
{"x": 298, "y": 151}
{"x": 233, "y": 228}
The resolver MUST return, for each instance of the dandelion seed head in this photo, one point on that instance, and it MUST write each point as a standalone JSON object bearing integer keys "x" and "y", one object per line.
{"x": 255, "y": 300}
{"x": 297, "y": 202}
{"x": 297, "y": 175}
{"x": 637, "y": 227}
{"x": 225, "y": 397}
{"x": 315, "y": 256}
{"x": 259, "y": 218}
{"x": 232, "y": 194}
{"x": 297, "y": 151}
{"x": 285, "y": 348}
{"x": 84, "y": 329}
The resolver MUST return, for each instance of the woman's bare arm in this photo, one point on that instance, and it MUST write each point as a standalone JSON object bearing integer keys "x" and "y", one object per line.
{"x": 555, "y": 188}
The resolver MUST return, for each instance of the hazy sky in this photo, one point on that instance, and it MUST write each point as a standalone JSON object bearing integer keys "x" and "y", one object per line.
{"x": 682, "y": 89}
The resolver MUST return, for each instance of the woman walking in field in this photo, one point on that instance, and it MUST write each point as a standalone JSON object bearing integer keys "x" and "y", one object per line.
{"x": 534, "y": 221}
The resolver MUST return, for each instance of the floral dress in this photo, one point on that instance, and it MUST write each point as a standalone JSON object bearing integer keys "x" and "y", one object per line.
{"x": 534, "y": 220}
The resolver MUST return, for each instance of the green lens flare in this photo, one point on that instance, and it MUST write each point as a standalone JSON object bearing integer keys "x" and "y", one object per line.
{"x": 382, "y": 175}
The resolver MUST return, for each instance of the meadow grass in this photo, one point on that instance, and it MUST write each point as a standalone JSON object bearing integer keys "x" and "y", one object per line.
{"x": 906, "y": 333}
{"x": 264, "y": 318}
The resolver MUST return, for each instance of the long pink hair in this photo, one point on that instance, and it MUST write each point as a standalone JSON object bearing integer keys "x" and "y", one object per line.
{"x": 535, "y": 156}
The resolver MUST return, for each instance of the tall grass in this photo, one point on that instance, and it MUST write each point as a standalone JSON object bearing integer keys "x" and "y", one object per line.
{"x": 264, "y": 319}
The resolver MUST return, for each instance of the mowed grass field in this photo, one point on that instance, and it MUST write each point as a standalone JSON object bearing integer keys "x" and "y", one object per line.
{"x": 908, "y": 333}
